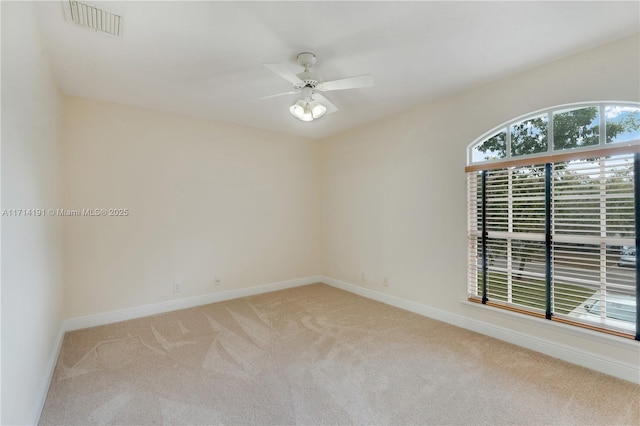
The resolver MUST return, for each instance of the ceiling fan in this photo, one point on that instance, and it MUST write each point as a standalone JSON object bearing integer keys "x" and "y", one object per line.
{"x": 311, "y": 104}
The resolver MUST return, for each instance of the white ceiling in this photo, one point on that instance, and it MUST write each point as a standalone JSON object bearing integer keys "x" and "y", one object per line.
{"x": 204, "y": 58}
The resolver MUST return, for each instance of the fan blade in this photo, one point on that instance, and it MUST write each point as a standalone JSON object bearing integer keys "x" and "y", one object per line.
{"x": 324, "y": 101}
{"x": 283, "y": 71}
{"x": 347, "y": 83}
{"x": 293, "y": 92}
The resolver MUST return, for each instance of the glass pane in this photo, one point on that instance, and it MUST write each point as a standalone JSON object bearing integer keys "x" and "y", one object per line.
{"x": 496, "y": 254}
{"x": 576, "y": 128}
{"x": 576, "y": 198}
{"x": 568, "y": 296}
{"x": 577, "y": 263}
{"x": 621, "y": 268}
{"x": 497, "y": 215}
{"x": 497, "y": 200}
{"x": 528, "y": 268}
{"x": 529, "y": 136}
{"x": 612, "y": 309}
{"x": 620, "y": 308}
{"x": 496, "y": 273}
{"x": 529, "y": 257}
{"x": 493, "y": 148}
{"x": 497, "y": 286}
{"x": 620, "y": 203}
{"x": 528, "y": 197}
{"x": 529, "y": 291}
{"x": 622, "y": 123}
{"x": 578, "y": 278}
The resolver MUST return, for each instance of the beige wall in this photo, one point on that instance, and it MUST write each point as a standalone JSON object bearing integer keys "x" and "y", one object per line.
{"x": 31, "y": 246}
{"x": 394, "y": 192}
{"x": 204, "y": 199}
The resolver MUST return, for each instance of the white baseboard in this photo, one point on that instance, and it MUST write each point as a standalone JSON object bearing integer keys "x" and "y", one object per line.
{"x": 593, "y": 361}
{"x": 189, "y": 302}
{"x": 46, "y": 381}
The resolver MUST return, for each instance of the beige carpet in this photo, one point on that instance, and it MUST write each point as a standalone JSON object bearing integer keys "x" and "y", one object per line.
{"x": 318, "y": 355}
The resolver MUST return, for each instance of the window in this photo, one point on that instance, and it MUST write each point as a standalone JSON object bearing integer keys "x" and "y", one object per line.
{"x": 552, "y": 202}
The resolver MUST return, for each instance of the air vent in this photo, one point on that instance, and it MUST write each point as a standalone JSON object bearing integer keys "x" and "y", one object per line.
{"x": 96, "y": 19}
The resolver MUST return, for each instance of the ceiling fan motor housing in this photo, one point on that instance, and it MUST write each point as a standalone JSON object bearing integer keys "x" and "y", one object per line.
{"x": 307, "y": 60}
{"x": 308, "y": 80}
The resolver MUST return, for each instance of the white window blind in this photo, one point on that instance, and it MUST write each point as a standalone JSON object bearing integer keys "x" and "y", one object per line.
{"x": 551, "y": 239}
{"x": 593, "y": 226}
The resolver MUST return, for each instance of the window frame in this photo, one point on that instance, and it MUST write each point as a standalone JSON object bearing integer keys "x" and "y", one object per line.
{"x": 550, "y": 152}
{"x": 549, "y": 157}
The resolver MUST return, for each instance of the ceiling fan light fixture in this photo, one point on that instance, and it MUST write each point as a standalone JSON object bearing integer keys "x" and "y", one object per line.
{"x": 307, "y": 110}
{"x": 297, "y": 109}
{"x": 317, "y": 109}
{"x": 307, "y": 116}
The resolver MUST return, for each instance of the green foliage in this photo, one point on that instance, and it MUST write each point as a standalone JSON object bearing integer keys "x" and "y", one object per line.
{"x": 529, "y": 136}
{"x": 576, "y": 128}
{"x": 571, "y": 129}
{"x": 627, "y": 122}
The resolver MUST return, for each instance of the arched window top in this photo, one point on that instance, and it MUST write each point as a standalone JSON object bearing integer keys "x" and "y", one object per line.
{"x": 575, "y": 127}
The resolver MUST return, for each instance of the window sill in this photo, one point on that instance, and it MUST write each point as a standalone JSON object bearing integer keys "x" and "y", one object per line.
{"x": 556, "y": 326}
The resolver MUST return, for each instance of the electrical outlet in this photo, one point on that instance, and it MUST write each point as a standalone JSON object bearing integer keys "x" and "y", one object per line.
{"x": 363, "y": 276}
{"x": 177, "y": 287}
{"x": 385, "y": 282}
{"x": 218, "y": 281}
